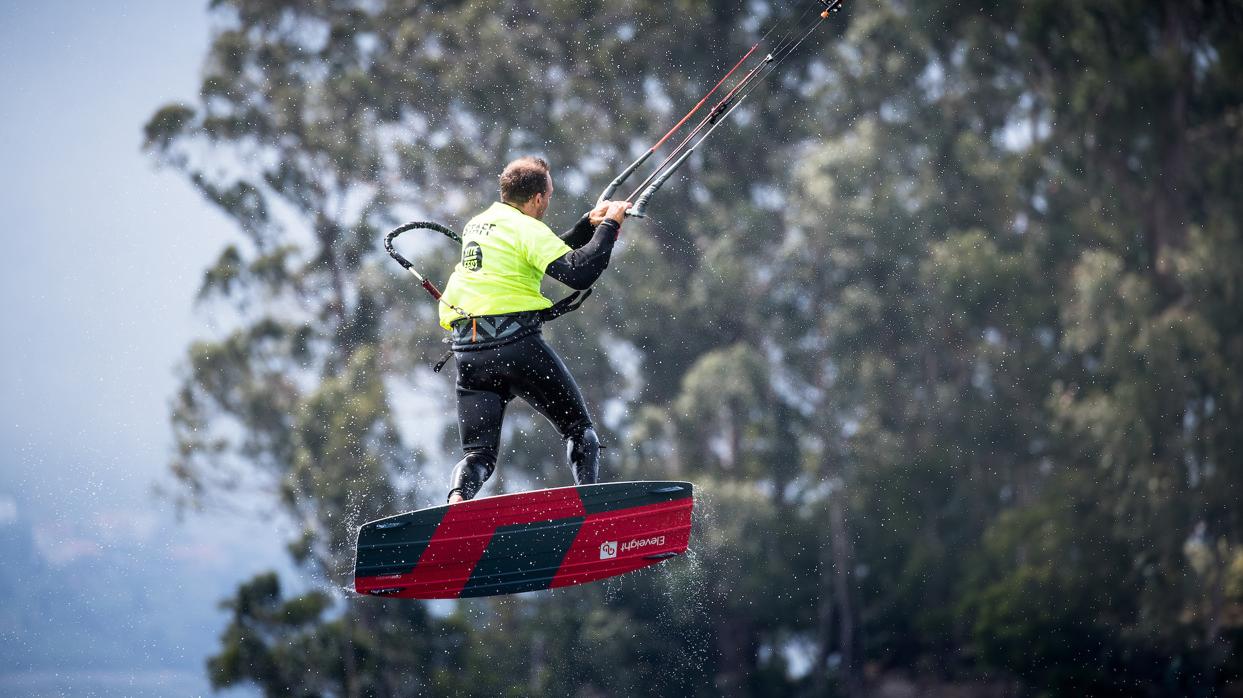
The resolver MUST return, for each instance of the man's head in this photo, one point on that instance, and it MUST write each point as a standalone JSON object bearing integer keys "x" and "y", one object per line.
{"x": 526, "y": 185}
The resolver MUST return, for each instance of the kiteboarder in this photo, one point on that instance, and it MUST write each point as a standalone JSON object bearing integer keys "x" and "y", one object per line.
{"x": 493, "y": 308}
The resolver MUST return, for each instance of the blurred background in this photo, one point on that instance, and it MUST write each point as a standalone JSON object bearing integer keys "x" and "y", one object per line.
{"x": 102, "y": 592}
{"x": 944, "y": 325}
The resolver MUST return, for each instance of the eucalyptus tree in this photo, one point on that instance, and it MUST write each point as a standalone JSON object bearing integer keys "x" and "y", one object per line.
{"x": 1027, "y": 335}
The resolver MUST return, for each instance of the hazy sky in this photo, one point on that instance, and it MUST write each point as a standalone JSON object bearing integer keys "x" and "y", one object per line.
{"x": 102, "y": 251}
{"x": 102, "y": 254}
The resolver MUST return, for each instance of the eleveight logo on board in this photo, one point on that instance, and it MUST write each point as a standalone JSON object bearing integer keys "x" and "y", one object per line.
{"x": 608, "y": 549}
{"x": 642, "y": 543}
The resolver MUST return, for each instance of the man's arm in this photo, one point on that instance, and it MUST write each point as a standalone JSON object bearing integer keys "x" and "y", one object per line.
{"x": 579, "y": 268}
{"x": 580, "y": 234}
{"x": 582, "y": 231}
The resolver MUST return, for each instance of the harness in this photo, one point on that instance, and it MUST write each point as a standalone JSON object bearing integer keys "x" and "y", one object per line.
{"x": 490, "y": 331}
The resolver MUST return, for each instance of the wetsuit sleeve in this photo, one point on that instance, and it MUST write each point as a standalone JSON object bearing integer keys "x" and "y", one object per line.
{"x": 580, "y": 234}
{"x": 580, "y": 268}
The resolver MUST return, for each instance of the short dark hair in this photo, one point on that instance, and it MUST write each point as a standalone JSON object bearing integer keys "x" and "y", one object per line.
{"x": 524, "y": 178}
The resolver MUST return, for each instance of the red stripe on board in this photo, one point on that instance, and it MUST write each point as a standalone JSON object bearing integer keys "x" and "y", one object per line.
{"x": 464, "y": 534}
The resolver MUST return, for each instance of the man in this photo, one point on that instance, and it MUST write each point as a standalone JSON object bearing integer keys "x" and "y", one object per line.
{"x": 494, "y": 308}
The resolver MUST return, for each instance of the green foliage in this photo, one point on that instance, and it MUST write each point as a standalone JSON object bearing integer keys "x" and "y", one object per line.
{"x": 269, "y": 637}
{"x": 1055, "y": 616}
{"x": 295, "y": 646}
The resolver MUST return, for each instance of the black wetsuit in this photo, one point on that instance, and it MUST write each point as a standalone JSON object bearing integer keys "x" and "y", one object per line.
{"x": 503, "y": 357}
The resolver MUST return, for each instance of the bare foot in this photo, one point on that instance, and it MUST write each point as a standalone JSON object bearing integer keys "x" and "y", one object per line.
{"x": 456, "y": 497}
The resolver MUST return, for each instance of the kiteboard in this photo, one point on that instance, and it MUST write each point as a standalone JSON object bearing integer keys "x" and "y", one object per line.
{"x": 525, "y": 541}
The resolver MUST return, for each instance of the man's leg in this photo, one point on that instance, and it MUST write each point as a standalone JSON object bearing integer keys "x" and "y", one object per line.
{"x": 547, "y": 385}
{"x": 582, "y": 447}
{"x": 480, "y": 413}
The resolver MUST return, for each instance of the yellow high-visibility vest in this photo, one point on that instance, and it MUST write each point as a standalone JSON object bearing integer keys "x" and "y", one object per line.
{"x": 504, "y": 255}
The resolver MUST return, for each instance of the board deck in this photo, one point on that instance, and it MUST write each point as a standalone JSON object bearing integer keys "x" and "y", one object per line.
{"x": 525, "y": 541}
